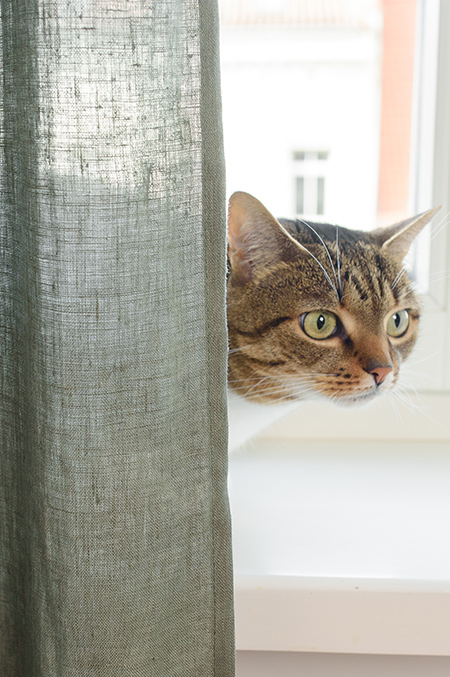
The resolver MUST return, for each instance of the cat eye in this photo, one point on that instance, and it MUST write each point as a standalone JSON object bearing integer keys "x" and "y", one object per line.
{"x": 398, "y": 323}
{"x": 319, "y": 324}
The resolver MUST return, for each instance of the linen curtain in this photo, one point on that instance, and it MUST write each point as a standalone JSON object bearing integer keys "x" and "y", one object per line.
{"x": 115, "y": 544}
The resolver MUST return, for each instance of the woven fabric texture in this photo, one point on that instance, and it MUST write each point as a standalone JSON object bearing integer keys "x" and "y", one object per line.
{"x": 115, "y": 555}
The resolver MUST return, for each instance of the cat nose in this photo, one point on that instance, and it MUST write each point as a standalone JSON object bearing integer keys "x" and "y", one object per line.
{"x": 378, "y": 371}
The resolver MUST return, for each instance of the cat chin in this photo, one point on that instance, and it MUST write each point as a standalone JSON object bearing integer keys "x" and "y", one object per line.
{"x": 357, "y": 400}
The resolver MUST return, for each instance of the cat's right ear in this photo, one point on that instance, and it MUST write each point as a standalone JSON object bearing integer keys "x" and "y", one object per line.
{"x": 255, "y": 237}
{"x": 398, "y": 238}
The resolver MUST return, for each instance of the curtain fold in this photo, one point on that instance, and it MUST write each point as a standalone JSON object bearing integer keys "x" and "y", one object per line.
{"x": 115, "y": 550}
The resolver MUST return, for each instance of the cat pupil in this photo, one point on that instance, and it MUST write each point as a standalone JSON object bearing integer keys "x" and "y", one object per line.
{"x": 397, "y": 320}
{"x": 320, "y": 322}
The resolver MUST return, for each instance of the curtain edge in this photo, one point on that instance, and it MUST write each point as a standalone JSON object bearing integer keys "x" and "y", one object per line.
{"x": 214, "y": 234}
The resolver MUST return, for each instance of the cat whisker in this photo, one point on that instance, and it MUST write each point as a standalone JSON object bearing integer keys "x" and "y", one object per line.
{"x": 338, "y": 262}
{"x": 443, "y": 223}
{"x": 403, "y": 394}
{"x": 434, "y": 277}
{"x": 303, "y": 248}
{"x": 314, "y": 374}
{"x": 304, "y": 389}
{"x": 252, "y": 393}
{"x": 398, "y": 277}
{"x": 278, "y": 394}
{"x": 411, "y": 283}
{"x": 406, "y": 384}
{"x": 439, "y": 272}
{"x": 258, "y": 379}
{"x": 416, "y": 372}
{"x": 291, "y": 386}
{"x": 294, "y": 377}
{"x": 427, "y": 357}
{"x": 236, "y": 350}
{"x": 279, "y": 391}
{"x": 392, "y": 400}
{"x": 408, "y": 371}
{"x": 256, "y": 385}
{"x": 245, "y": 380}
{"x": 409, "y": 289}
{"x": 280, "y": 387}
{"x": 328, "y": 254}
{"x": 411, "y": 406}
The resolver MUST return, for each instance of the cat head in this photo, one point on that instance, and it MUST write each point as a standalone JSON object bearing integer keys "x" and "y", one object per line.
{"x": 316, "y": 309}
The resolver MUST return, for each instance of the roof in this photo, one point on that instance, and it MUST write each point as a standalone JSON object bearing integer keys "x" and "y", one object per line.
{"x": 345, "y": 13}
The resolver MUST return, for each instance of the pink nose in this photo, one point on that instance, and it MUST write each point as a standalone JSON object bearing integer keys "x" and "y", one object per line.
{"x": 379, "y": 372}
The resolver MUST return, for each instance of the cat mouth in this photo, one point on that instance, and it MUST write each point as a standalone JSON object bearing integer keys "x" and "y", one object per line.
{"x": 358, "y": 398}
{"x": 356, "y": 394}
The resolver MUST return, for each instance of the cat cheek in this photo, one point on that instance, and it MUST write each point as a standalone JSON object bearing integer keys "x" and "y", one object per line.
{"x": 402, "y": 348}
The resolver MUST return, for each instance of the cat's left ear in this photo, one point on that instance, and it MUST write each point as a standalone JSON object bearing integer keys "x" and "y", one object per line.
{"x": 256, "y": 239}
{"x": 398, "y": 238}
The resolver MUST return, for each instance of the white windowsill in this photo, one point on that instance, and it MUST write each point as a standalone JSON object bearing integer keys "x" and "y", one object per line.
{"x": 342, "y": 546}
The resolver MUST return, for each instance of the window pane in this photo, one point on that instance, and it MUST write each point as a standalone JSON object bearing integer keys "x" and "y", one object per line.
{"x": 299, "y": 192}
{"x": 321, "y": 195}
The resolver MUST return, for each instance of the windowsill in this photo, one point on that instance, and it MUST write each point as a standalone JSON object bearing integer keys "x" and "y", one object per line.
{"x": 342, "y": 547}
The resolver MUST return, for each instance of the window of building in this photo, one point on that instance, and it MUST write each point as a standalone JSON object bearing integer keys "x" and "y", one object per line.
{"x": 310, "y": 169}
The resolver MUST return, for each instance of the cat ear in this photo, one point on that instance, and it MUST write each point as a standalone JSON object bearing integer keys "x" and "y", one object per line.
{"x": 398, "y": 238}
{"x": 255, "y": 237}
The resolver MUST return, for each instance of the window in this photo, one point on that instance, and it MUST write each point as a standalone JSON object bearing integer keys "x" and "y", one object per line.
{"x": 310, "y": 168}
{"x": 325, "y": 77}
{"x": 343, "y": 116}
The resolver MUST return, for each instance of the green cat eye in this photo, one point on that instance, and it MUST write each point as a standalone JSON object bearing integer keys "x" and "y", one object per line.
{"x": 398, "y": 324}
{"x": 319, "y": 324}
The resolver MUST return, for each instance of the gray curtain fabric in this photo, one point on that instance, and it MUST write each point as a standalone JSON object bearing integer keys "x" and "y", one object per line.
{"x": 115, "y": 543}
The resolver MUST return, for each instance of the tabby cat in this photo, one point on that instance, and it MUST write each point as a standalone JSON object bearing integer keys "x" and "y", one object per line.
{"x": 316, "y": 309}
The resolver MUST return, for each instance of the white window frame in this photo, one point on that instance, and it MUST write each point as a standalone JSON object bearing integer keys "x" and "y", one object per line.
{"x": 430, "y": 185}
{"x": 311, "y": 169}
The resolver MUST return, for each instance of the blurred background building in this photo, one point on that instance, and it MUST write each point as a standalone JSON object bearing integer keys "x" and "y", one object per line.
{"x": 317, "y": 106}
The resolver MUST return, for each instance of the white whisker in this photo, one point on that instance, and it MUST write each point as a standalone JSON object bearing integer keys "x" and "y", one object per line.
{"x": 301, "y": 246}
{"x": 292, "y": 377}
{"x": 413, "y": 407}
{"x": 443, "y": 223}
{"x": 409, "y": 289}
{"x": 256, "y": 385}
{"x": 440, "y": 272}
{"x": 246, "y": 380}
{"x": 415, "y": 372}
{"x": 398, "y": 277}
{"x": 435, "y": 278}
{"x": 427, "y": 357}
{"x": 236, "y": 350}
{"x": 327, "y": 251}
{"x": 338, "y": 262}
{"x": 392, "y": 400}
